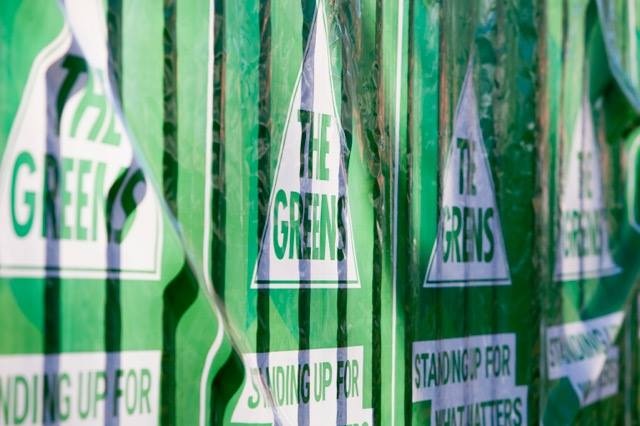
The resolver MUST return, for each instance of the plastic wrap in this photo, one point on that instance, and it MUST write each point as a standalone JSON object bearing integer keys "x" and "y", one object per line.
{"x": 319, "y": 212}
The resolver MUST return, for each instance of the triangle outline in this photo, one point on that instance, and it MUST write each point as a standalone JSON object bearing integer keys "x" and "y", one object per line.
{"x": 256, "y": 284}
{"x": 606, "y": 266}
{"x": 469, "y": 282}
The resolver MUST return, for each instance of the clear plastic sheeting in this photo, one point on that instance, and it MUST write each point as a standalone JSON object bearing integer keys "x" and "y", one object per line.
{"x": 319, "y": 212}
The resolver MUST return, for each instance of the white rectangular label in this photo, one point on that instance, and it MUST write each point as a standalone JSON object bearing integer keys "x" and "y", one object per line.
{"x": 579, "y": 351}
{"x": 316, "y": 387}
{"x": 80, "y": 388}
{"x": 469, "y": 379}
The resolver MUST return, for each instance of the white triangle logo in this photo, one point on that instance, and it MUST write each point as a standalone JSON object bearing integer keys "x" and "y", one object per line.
{"x": 308, "y": 241}
{"x": 67, "y": 151}
{"x": 583, "y": 244}
{"x": 469, "y": 248}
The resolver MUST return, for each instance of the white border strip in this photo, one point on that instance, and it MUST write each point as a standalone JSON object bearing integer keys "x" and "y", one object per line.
{"x": 631, "y": 182}
{"x": 217, "y": 342}
{"x": 633, "y": 49}
{"x": 396, "y": 172}
{"x": 208, "y": 155}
